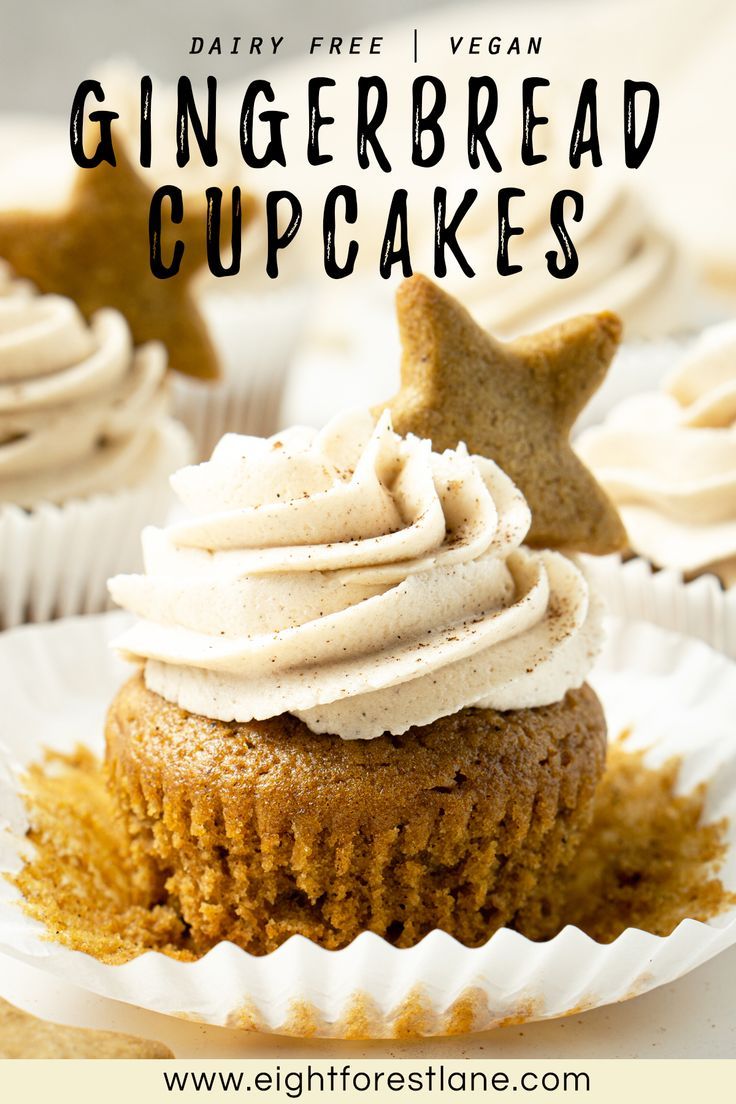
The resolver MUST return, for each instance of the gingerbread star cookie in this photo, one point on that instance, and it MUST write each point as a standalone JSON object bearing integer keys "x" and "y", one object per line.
{"x": 25, "y": 1036}
{"x": 514, "y": 402}
{"x": 95, "y": 251}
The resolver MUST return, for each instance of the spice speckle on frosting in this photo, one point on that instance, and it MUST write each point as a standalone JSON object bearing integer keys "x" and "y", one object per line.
{"x": 382, "y": 600}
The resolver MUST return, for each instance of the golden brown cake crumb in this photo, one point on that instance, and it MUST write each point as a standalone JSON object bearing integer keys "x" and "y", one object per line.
{"x": 80, "y": 880}
{"x": 646, "y": 861}
{"x": 447, "y": 826}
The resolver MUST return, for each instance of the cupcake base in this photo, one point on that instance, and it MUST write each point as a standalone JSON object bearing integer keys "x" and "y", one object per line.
{"x": 55, "y": 560}
{"x": 263, "y": 830}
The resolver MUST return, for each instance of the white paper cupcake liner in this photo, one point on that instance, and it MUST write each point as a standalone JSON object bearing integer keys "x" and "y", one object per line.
{"x": 256, "y": 336}
{"x": 55, "y": 560}
{"x": 636, "y": 591}
{"x": 678, "y": 696}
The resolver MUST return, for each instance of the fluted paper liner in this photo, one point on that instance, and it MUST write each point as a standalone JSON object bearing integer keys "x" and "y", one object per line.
{"x": 636, "y": 591}
{"x": 679, "y": 697}
{"x": 55, "y": 560}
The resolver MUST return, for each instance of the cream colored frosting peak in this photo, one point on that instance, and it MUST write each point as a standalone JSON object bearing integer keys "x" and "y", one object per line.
{"x": 80, "y": 410}
{"x": 356, "y": 579}
{"x": 668, "y": 459}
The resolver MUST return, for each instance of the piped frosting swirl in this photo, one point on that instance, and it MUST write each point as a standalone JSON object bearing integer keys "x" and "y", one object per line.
{"x": 356, "y": 579}
{"x": 81, "y": 411}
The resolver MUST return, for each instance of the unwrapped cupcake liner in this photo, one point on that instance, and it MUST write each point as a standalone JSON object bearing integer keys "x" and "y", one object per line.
{"x": 55, "y": 560}
{"x": 676, "y": 695}
{"x": 634, "y": 589}
{"x": 256, "y": 336}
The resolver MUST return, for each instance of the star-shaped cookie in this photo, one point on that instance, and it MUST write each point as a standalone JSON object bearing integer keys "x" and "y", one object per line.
{"x": 95, "y": 251}
{"x": 514, "y": 402}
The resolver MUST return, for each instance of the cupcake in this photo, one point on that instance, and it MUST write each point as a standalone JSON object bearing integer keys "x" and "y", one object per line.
{"x": 362, "y": 702}
{"x": 86, "y": 448}
{"x": 229, "y": 340}
{"x": 668, "y": 459}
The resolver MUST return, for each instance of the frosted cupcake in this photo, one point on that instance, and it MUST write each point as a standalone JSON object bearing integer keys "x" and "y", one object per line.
{"x": 668, "y": 459}
{"x": 363, "y": 705}
{"x": 86, "y": 448}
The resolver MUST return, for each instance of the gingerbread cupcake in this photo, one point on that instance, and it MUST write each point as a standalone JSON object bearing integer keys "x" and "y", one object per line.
{"x": 86, "y": 448}
{"x": 668, "y": 459}
{"x": 363, "y": 702}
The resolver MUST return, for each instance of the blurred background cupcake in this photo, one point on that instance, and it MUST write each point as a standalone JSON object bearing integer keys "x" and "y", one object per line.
{"x": 229, "y": 375}
{"x": 86, "y": 448}
{"x": 667, "y": 458}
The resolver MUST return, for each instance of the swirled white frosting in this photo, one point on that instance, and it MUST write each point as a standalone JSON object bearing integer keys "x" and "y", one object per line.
{"x": 668, "y": 460}
{"x": 81, "y": 411}
{"x": 356, "y": 579}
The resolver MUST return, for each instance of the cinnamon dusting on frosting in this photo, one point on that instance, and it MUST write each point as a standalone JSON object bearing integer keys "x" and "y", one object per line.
{"x": 355, "y": 579}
